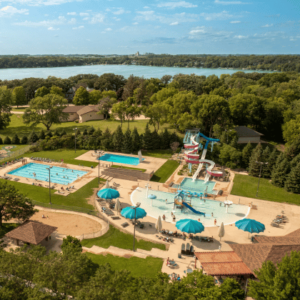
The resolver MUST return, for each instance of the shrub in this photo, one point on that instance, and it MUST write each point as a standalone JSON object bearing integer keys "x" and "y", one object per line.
{"x": 15, "y": 140}
{"x": 24, "y": 140}
{"x": 7, "y": 140}
{"x": 33, "y": 137}
{"x": 71, "y": 243}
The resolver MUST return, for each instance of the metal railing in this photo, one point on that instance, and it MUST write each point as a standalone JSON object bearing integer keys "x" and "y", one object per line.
{"x": 11, "y": 155}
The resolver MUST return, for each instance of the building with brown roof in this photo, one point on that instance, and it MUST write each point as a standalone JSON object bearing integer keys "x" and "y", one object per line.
{"x": 83, "y": 113}
{"x": 247, "y": 135}
{"x": 31, "y": 232}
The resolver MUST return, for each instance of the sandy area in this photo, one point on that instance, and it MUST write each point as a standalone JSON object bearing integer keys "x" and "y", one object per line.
{"x": 68, "y": 224}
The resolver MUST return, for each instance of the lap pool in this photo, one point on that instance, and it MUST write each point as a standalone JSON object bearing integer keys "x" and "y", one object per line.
{"x": 40, "y": 172}
{"x": 164, "y": 205}
{"x": 122, "y": 159}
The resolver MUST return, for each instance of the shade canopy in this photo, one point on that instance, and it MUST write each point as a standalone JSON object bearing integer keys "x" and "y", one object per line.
{"x": 151, "y": 196}
{"x": 107, "y": 185}
{"x": 108, "y": 194}
{"x": 158, "y": 224}
{"x": 221, "y": 232}
{"x": 250, "y": 225}
{"x": 129, "y": 212}
{"x": 118, "y": 206}
{"x": 189, "y": 226}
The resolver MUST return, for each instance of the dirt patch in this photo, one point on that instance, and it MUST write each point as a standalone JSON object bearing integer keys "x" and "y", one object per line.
{"x": 67, "y": 224}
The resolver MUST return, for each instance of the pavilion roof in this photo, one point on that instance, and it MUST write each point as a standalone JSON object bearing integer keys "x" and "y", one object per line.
{"x": 226, "y": 268}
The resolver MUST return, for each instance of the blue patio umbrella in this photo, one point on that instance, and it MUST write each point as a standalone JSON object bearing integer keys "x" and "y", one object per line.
{"x": 129, "y": 213}
{"x": 250, "y": 225}
{"x": 151, "y": 196}
{"x": 108, "y": 194}
{"x": 189, "y": 226}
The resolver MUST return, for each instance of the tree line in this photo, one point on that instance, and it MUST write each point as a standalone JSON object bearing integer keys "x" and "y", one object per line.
{"x": 251, "y": 62}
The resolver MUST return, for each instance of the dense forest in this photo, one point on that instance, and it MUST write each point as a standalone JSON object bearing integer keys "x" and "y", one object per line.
{"x": 251, "y": 62}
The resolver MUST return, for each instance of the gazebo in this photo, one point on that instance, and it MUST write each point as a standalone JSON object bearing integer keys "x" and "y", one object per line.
{"x": 31, "y": 232}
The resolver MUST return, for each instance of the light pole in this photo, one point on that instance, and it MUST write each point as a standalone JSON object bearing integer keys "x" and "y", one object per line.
{"x": 49, "y": 169}
{"x": 261, "y": 164}
{"x": 136, "y": 206}
{"x": 75, "y": 137}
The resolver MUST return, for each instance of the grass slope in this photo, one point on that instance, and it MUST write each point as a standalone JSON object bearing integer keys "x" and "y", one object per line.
{"x": 116, "y": 238}
{"x": 165, "y": 171}
{"x": 41, "y": 194}
{"x": 139, "y": 267}
{"x": 246, "y": 186}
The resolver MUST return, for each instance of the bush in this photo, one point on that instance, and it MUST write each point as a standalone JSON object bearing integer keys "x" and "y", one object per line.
{"x": 7, "y": 141}
{"x": 71, "y": 243}
{"x": 42, "y": 135}
{"x": 24, "y": 140}
{"x": 33, "y": 137}
{"x": 64, "y": 133}
{"x": 49, "y": 134}
{"x": 15, "y": 140}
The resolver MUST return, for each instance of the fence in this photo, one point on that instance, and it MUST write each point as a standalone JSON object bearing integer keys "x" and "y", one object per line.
{"x": 17, "y": 153}
{"x": 93, "y": 234}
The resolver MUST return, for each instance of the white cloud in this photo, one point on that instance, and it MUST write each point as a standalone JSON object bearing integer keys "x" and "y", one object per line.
{"x": 79, "y": 27}
{"x": 135, "y": 23}
{"x": 174, "y": 23}
{"x": 146, "y": 7}
{"x": 198, "y": 30}
{"x": 118, "y": 10}
{"x": 108, "y": 29}
{"x": 47, "y": 23}
{"x": 172, "y": 5}
{"x": 97, "y": 18}
{"x": 235, "y": 22}
{"x": 267, "y": 25}
{"x": 71, "y": 14}
{"x": 240, "y": 37}
{"x": 52, "y": 28}
{"x": 116, "y": 19}
{"x": 202, "y": 32}
{"x": 72, "y": 21}
{"x": 10, "y": 10}
{"x": 84, "y": 14}
{"x": 230, "y": 2}
{"x": 39, "y": 2}
{"x": 217, "y": 16}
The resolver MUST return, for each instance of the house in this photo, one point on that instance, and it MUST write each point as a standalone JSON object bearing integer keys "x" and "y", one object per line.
{"x": 247, "y": 135}
{"x": 83, "y": 113}
{"x": 70, "y": 94}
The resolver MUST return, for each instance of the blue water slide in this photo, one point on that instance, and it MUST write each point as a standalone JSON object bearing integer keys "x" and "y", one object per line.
{"x": 192, "y": 209}
{"x": 208, "y": 140}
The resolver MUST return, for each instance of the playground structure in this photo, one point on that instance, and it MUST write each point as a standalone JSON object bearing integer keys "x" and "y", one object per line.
{"x": 192, "y": 145}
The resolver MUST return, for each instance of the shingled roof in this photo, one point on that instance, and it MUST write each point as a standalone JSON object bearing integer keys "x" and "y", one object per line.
{"x": 73, "y": 108}
{"x": 278, "y": 240}
{"x": 31, "y": 232}
{"x": 243, "y": 131}
{"x": 295, "y": 233}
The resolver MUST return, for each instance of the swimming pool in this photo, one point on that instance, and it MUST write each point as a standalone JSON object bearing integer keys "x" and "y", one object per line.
{"x": 164, "y": 205}
{"x": 198, "y": 186}
{"x": 58, "y": 175}
{"x": 122, "y": 159}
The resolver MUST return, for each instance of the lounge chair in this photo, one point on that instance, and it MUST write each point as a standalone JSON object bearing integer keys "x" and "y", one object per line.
{"x": 183, "y": 248}
{"x": 192, "y": 251}
{"x": 141, "y": 225}
{"x": 187, "y": 251}
{"x": 116, "y": 218}
{"x": 124, "y": 224}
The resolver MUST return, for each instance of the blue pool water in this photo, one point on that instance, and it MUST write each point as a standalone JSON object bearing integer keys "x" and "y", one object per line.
{"x": 164, "y": 205}
{"x": 198, "y": 186}
{"x": 122, "y": 159}
{"x": 57, "y": 174}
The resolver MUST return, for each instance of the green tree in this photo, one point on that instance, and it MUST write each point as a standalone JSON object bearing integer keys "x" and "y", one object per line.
{"x": 254, "y": 167}
{"x": 280, "y": 171}
{"x": 266, "y": 173}
{"x": 127, "y": 142}
{"x": 81, "y": 97}
{"x": 71, "y": 242}
{"x": 1, "y": 141}
{"x": 42, "y": 91}
{"x": 136, "y": 140}
{"x": 295, "y": 161}
{"x": 47, "y": 110}
{"x": 156, "y": 141}
{"x": 246, "y": 154}
{"x": 106, "y": 141}
{"x": 42, "y": 135}
{"x": 5, "y": 108}
{"x": 15, "y": 140}
{"x": 277, "y": 282}
{"x": 165, "y": 139}
{"x": 24, "y": 140}
{"x": 157, "y": 114}
{"x": 229, "y": 156}
{"x": 7, "y": 140}
{"x": 147, "y": 139}
{"x": 55, "y": 90}
{"x": 33, "y": 137}
{"x": 292, "y": 183}
{"x": 95, "y": 97}
{"x": 118, "y": 139}
{"x": 271, "y": 162}
{"x": 19, "y": 96}
{"x": 291, "y": 130}
{"x": 14, "y": 205}
{"x": 119, "y": 111}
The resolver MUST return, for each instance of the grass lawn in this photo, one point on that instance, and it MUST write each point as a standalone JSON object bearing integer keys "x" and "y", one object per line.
{"x": 165, "y": 171}
{"x": 158, "y": 153}
{"x": 66, "y": 154}
{"x": 17, "y": 126}
{"x": 246, "y": 186}
{"x": 41, "y": 195}
{"x": 139, "y": 267}
{"x": 16, "y": 147}
{"x": 6, "y": 227}
{"x": 116, "y": 238}
{"x": 128, "y": 168}
{"x": 18, "y": 109}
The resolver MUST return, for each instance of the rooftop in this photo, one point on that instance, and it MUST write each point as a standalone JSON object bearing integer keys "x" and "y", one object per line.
{"x": 31, "y": 232}
{"x": 243, "y": 131}
{"x": 226, "y": 269}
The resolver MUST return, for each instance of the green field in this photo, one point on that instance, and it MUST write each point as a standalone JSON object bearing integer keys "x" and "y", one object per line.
{"x": 246, "y": 186}
{"x": 17, "y": 126}
{"x": 158, "y": 153}
{"x": 165, "y": 171}
{"x": 139, "y": 267}
{"x": 116, "y": 238}
{"x": 67, "y": 155}
{"x": 128, "y": 168}
{"x": 41, "y": 194}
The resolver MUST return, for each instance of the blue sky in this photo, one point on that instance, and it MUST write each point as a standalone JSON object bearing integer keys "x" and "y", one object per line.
{"x": 124, "y": 27}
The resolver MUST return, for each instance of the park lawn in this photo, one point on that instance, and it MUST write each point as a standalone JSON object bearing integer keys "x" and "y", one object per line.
{"x": 40, "y": 195}
{"x": 17, "y": 126}
{"x": 246, "y": 186}
{"x": 139, "y": 267}
{"x": 165, "y": 171}
{"x": 117, "y": 238}
{"x": 21, "y": 109}
{"x": 6, "y": 227}
{"x": 66, "y": 154}
{"x": 128, "y": 168}
{"x": 158, "y": 153}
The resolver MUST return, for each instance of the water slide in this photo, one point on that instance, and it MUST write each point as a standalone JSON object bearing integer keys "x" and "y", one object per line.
{"x": 192, "y": 209}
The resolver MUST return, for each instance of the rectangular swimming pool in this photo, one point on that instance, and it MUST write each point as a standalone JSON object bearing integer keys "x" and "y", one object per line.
{"x": 40, "y": 172}
{"x": 198, "y": 186}
{"x": 122, "y": 159}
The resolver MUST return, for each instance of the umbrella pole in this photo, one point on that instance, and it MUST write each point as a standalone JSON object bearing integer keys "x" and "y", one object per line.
{"x": 134, "y": 230}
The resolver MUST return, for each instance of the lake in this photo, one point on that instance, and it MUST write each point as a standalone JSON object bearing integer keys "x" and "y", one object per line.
{"x": 126, "y": 71}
